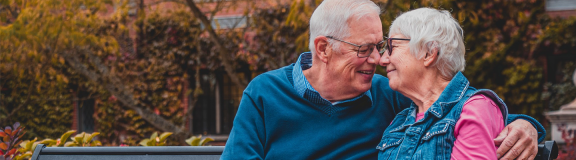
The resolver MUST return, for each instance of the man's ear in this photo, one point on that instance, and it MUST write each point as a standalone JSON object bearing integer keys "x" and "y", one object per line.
{"x": 431, "y": 56}
{"x": 321, "y": 47}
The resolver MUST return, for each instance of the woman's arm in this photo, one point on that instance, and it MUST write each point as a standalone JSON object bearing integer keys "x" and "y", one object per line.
{"x": 480, "y": 122}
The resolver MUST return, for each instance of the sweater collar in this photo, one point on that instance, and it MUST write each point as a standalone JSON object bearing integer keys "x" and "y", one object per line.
{"x": 304, "y": 89}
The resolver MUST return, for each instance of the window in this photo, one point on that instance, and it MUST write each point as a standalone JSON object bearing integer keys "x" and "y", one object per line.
{"x": 85, "y": 112}
{"x": 216, "y": 108}
{"x": 560, "y": 5}
{"x": 228, "y": 22}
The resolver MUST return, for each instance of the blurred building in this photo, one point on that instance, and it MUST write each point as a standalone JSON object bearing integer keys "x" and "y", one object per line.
{"x": 558, "y": 9}
{"x": 215, "y": 109}
{"x": 561, "y": 8}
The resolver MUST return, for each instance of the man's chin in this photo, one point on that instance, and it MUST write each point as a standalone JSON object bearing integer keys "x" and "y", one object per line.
{"x": 365, "y": 87}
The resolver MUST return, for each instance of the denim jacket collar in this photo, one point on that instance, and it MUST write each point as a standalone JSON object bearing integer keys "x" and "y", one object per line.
{"x": 452, "y": 94}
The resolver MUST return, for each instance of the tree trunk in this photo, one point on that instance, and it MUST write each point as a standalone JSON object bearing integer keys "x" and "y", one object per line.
{"x": 113, "y": 85}
{"x": 223, "y": 52}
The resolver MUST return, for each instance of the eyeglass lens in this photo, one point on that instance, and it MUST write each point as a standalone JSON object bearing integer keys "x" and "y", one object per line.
{"x": 365, "y": 49}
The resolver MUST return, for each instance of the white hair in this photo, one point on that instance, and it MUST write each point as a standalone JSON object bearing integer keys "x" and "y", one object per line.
{"x": 332, "y": 16}
{"x": 433, "y": 29}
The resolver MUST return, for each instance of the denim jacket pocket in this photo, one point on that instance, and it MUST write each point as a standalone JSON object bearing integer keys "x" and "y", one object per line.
{"x": 390, "y": 140}
{"x": 437, "y": 129}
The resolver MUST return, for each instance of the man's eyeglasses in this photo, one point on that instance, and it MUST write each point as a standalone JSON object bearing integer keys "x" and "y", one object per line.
{"x": 388, "y": 44}
{"x": 366, "y": 49}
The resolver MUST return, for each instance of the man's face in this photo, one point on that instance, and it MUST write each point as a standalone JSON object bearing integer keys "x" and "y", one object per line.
{"x": 351, "y": 72}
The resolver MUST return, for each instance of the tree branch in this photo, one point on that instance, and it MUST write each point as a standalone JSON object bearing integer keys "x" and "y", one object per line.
{"x": 158, "y": 2}
{"x": 13, "y": 13}
{"x": 194, "y": 95}
{"x": 19, "y": 106}
{"x": 113, "y": 85}
{"x": 223, "y": 51}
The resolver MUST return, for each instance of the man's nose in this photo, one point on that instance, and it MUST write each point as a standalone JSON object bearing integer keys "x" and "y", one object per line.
{"x": 385, "y": 59}
{"x": 374, "y": 57}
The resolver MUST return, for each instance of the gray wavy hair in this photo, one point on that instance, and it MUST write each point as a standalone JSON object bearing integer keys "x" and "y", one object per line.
{"x": 432, "y": 28}
{"x": 331, "y": 18}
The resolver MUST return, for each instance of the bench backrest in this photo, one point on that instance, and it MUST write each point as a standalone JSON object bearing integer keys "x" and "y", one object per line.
{"x": 128, "y": 153}
{"x": 548, "y": 150}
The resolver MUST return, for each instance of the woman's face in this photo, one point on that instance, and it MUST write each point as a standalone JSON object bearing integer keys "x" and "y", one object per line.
{"x": 403, "y": 69}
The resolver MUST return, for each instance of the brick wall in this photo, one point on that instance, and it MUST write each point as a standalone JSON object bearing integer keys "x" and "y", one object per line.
{"x": 562, "y": 14}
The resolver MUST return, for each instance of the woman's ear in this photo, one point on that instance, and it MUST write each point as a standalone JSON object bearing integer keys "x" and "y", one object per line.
{"x": 431, "y": 56}
{"x": 322, "y": 49}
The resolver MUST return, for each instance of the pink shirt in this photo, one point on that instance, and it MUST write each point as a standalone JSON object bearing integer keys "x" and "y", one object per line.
{"x": 480, "y": 122}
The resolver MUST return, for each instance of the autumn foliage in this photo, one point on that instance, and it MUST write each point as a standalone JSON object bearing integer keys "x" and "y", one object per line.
{"x": 136, "y": 64}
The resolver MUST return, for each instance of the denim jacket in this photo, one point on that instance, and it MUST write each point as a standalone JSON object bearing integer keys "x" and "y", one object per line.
{"x": 432, "y": 137}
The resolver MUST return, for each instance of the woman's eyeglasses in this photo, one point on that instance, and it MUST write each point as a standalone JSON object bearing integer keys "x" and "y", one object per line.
{"x": 388, "y": 44}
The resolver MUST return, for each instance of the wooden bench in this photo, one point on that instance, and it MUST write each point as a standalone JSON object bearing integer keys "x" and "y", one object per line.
{"x": 128, "y": 153}
{"x": 546, "y": 151}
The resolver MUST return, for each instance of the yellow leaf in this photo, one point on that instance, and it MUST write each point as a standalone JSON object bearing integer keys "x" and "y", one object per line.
{"x": 65, "y": 79}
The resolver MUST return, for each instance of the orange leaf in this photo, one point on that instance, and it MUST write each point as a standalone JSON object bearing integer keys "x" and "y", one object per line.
{"x": 14, "y": 132}
{"x": 2, "y": 134}
{"x": 12, "y": 151}
{"x": 21, "y": 134}
{"x": 3, "y": 146}
{"x": 8, "y": 131}
{"x": 18, "y": 143}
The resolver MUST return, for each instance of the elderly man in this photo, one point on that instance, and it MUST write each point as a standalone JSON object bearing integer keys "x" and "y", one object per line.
{"x": 330, "y": 104}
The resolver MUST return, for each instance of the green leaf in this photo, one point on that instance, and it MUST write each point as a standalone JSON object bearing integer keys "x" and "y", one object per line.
{"x": 65, "y": 136}
{"x": 96, "y": 143}
{"x": 151, "y": 142}
{"x": 153, "y": 139}
{"x": 30, "y": 144}
{"x": 23, "y": 144}
{"x": 144, "y": 142}
{"x": 164, "y": 135}
{"x": 195, "y": 141}
{"x": 26, "y": 155}
{"x": 88, "y": 137}
{"x": 205, "y": 140}
{"x": 48, "y": 142}
{"x": 70, "y": 144}
{"x": 34, "y": 146}
{"x": 189, "y": 140}
{"x": 79, "y": 137}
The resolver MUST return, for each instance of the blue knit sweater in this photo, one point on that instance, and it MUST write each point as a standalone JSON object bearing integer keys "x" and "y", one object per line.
{"x": 275, "y": 122}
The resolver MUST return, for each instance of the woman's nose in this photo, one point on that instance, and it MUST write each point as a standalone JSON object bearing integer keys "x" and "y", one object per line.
{"x": 385, "y": 59}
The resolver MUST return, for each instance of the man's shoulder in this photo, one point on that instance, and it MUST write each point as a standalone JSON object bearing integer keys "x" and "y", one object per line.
{"x": 278, "y": 79}
{"x": 277, "y": 75}
{"x": 275, "y": 83}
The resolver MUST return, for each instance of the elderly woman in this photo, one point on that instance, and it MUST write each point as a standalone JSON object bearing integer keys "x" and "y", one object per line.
{"x": 449, "y": 118}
